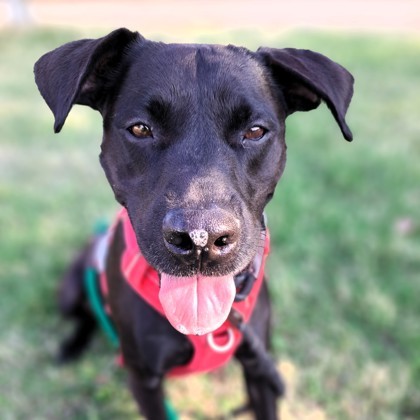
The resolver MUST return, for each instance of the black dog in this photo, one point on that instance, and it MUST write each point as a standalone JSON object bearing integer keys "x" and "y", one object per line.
{"x": 193, "y": 148}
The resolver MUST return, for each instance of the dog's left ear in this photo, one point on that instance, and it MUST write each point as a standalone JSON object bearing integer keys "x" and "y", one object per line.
{"x": 306, "y": 77}
{"x": 82, "y": 72}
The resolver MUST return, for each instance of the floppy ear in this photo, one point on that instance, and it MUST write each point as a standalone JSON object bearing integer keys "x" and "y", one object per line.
{"x": 306, "y": 78}
{"x": 82, "y": 72}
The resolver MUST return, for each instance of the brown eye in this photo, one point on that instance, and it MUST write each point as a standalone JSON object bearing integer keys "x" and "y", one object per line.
{"x": 255, "y": 133}
{"x": 141, "y": 131}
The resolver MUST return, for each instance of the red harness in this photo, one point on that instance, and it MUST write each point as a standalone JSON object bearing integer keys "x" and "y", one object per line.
{"x": 210, "y": 350}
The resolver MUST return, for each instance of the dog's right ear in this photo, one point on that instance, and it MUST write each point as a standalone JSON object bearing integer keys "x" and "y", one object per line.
{"x": 82, "y": 72}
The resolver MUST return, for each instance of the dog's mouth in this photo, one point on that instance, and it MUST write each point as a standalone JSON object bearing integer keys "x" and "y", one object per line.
{"x": 197, "y": 304}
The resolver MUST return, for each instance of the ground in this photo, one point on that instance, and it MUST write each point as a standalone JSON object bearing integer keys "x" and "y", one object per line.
{"x": 344, "y": 222}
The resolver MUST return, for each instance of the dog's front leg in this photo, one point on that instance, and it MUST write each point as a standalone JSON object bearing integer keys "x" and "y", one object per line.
{"x": 148, "y": 393}
{"x": 264, "y": 386}
{"x": 262, "y": 397}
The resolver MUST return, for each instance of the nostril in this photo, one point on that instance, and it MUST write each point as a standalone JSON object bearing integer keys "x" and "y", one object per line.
{"x": 211, "y": 235}
{"x": 222, "y": 241}
{"x": 180, "y": 240}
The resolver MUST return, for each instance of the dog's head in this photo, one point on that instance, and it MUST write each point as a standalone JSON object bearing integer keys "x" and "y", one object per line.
{"x": 193, "y": 147}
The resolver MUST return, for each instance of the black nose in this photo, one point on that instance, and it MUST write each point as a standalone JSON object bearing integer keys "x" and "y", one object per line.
{"x": 209, "y": 234}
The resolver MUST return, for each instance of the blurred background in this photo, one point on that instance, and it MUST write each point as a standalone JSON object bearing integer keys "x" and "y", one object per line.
{"x": 345, "y": 266}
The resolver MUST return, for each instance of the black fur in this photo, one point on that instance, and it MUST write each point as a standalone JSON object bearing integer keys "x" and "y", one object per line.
{"x": 198, "y": 165}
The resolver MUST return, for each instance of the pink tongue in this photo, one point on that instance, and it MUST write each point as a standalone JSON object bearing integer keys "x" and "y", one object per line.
{"x": 196, "y": 305}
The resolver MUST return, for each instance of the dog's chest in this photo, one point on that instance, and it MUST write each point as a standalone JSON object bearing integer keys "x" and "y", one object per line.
{"x": 211, "y": 350}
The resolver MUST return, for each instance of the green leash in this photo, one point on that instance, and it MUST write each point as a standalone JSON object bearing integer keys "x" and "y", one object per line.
{"x": 102, "y": 317}
{"x": 94, "y": 296}
{"x": 171, "y": 414}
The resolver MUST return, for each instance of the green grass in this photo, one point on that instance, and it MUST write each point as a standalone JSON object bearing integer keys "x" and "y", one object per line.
{"x": 344, "y": 271}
